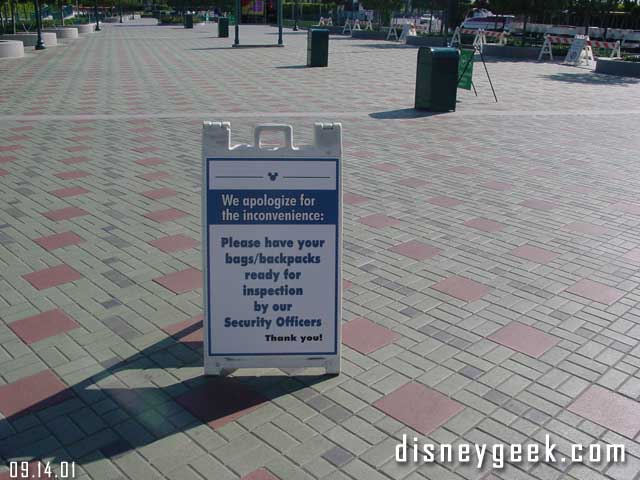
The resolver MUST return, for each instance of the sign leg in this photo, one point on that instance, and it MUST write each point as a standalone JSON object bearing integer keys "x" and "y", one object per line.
{"x": 488, "y": 77}
{"x": 333, "y": 366}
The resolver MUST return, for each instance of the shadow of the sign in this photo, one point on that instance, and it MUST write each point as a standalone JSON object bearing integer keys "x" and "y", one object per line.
{"x": 133, "y": 403}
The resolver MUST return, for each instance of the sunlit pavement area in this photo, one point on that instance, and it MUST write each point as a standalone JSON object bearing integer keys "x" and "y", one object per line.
{"x": 491, "y": 262}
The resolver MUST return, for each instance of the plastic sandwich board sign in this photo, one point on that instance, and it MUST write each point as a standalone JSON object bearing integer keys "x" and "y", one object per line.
{"x": 580, "y": 52}
{"x": 465, "y": 69}
{"x": 272, "y": 229}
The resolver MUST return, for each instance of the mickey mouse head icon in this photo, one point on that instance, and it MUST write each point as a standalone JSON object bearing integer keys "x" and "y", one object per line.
{"x": 273, "y": 176}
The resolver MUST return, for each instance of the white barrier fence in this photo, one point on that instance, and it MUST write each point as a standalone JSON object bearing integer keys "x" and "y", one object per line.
{"x": 587, "y": 55}
{"x": 350, "y": 26}
{"x": 480, "y": 37}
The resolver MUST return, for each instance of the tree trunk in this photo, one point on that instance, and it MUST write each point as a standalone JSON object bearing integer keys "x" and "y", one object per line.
{"x": 586, "y": 24}
{"x": 26, "y": 15}
{"x": 524, "y": 30}
{"x": 14, "y": 12}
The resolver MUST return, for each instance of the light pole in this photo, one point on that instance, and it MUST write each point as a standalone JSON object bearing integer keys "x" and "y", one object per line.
{"x": 295, "y": 16}
{"x": 95, "y": 10}
{"x": 279, "y": 2}
{"x": 39, "y": 44}
{"x": 236, "y": 41}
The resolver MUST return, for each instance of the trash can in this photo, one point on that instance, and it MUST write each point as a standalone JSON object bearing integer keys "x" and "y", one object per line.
{"x": 188, "y": 20}
{"x": 318, "y": 47}
{"x": 223, "y": 27}
{"x": 437, "y": 79}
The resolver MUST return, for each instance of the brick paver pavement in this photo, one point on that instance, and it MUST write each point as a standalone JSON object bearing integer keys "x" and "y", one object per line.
{"x": 463, "y": 233}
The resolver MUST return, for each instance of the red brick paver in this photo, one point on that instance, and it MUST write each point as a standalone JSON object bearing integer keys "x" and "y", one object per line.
{"x": 58, "y": 240}
{"x": 187, "y": 331}
{"x": 220, "y": 401}
{"x": 52, "y": 277}
{"x": 260, "y": 474}
{"x": 65, "y": 213}
{"x": 32, "y": 393}
{"x": 595, "y": 291}
{"x": 366, "y": 336}
{"x": 160, "y": 193}
{"x": 462, "y": 288}
{"x": 419, "y": 407}
{"x": 525, "y": 339}
{"x": 587, "y": 228}
{"x": 167, "y": 215}
{"x": 378, "y": 220}
{"x": 182, "y": 281}
{"x": 609, "y": 409}
{"x": 484, "y": 225}
{"x": 44, "y": 325}
{"x": 69, "y": 192}
{"x": 445, "y": 202}
{"x": 535, "y": 254}
{"x": 416, "y": 250}
{"x": 174, "y": 243}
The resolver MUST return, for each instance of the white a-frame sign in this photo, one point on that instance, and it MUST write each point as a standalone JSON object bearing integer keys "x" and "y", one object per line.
{"x": 272, "y": 234}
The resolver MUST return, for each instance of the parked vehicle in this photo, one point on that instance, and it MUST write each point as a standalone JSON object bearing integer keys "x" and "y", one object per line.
{"x": 426, "y": 19}
{"x": 494, "y": 22}
{"x": 484, "y": 19}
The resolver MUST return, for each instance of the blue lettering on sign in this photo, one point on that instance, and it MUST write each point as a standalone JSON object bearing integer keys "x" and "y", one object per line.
{"x": 271, "y": 285}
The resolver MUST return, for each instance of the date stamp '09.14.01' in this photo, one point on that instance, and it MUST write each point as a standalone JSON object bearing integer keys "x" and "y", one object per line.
{"x": 36, "y": 469}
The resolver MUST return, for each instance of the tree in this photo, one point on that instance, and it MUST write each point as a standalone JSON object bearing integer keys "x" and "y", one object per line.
{"x": 384, "y": 8}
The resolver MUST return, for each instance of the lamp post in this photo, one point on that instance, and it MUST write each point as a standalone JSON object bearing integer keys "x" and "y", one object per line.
{"x": 279, "y": 3}
{"x": 295, "y": 16}
{"x": 236, "y": 41}
{"x": 95, "y": 10}
{"x": 39, "y": 44}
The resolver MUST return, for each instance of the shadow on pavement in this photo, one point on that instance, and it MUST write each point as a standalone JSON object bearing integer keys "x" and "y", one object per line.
{"x": 135, "y": 402}
{"x": 404, "y": 113}
{"x": 384, "y": 46}
{"x": 299, "y": 32}
{"x": 124, "y": 25}
{"x": 212, "y": 48}
{"x": 292, "y": 67}
{"x": 489, "y": 59}
{"x": 592, "y": 78}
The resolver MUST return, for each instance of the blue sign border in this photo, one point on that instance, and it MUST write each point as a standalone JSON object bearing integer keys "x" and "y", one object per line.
{"x": 338, "y": 288}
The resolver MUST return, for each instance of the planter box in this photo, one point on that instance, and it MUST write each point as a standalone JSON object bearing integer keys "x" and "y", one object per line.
{"x": 333, "y": 29}
{"x": 618, "y": 67}
{"x": 427, "y": 41}
{"x": 506, "y": 51}
{"x": 64, "y": 33}
{"x": 30, "y": 39}
{"x": 84, "y": 27}
{"x": 11, "y": 49}
{"x": 369, "y": 35}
